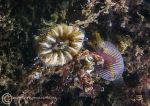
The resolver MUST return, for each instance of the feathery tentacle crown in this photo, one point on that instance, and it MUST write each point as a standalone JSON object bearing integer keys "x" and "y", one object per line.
{"x": 113, "y": 61}
{"x": 114, "y": 65}
{"x": 60, "y": 45}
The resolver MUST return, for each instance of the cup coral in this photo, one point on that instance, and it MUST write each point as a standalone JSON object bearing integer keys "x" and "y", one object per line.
{"x": 60, "y": 44}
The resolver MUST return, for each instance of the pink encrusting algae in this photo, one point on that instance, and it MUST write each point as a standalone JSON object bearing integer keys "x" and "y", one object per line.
{"x": 113, "y": 62}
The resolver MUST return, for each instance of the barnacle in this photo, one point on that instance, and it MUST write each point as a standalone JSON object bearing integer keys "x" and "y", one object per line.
{"x": 60, "y": 44}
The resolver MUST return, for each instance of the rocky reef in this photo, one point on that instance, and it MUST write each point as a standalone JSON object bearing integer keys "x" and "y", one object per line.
{"x": 58, "y": 52}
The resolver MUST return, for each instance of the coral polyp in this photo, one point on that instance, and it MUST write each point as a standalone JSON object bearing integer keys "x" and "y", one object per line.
{"x": 60, "y": 44}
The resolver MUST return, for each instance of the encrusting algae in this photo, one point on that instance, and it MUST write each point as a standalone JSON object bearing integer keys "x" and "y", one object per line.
{"x": 124, "y": 42}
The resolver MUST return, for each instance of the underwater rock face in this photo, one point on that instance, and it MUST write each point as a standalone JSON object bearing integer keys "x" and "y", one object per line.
{"x": 131, "y": 79}
{"x": 60, "y": 45}
{"x": 79, "y": 82}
